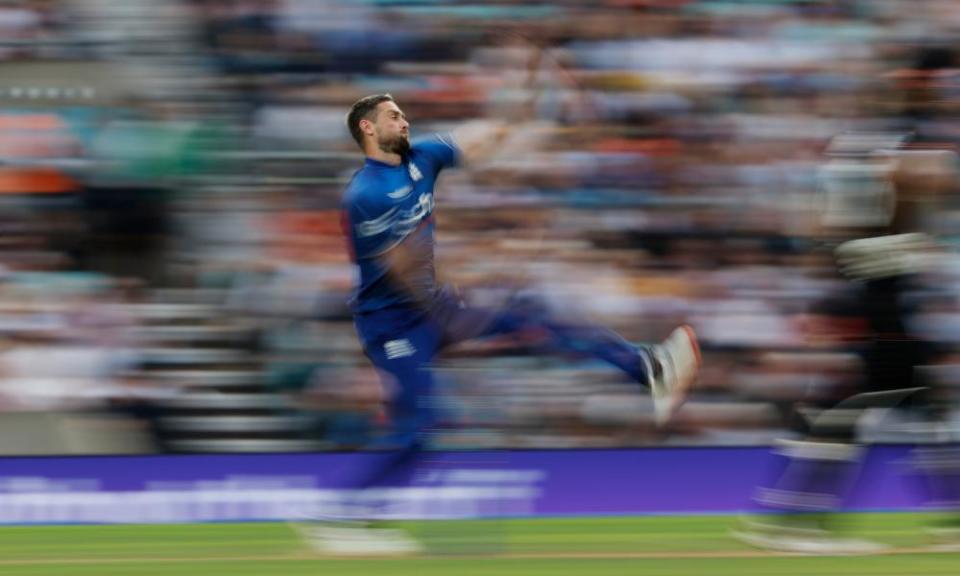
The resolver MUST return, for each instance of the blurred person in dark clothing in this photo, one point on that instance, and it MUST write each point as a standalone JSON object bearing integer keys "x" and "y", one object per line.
{"x": 878, "y": 193}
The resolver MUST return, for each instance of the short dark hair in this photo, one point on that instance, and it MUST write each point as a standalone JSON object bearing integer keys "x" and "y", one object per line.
{"x": 363, "y": 109}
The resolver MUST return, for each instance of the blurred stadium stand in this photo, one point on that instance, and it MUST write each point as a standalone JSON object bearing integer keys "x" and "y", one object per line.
{"x": 170, "y": 175}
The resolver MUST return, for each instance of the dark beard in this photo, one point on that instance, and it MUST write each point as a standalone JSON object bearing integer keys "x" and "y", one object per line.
{"x": 398, "y": 145}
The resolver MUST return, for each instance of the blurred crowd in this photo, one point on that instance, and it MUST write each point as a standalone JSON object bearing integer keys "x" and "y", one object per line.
{"x": 170, "y": 173}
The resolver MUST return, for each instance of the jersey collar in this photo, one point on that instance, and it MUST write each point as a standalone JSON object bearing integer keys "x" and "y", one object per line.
{"x": 379, "y": 164}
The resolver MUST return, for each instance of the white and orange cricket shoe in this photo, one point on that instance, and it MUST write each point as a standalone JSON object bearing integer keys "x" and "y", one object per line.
{"x": 678, "y": 363}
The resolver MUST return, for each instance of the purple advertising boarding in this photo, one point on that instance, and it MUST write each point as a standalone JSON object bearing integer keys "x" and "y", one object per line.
{"x": 172, "y": 488}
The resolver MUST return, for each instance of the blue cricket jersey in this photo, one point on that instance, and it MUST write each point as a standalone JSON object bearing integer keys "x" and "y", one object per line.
{"x": 385, "y": 205}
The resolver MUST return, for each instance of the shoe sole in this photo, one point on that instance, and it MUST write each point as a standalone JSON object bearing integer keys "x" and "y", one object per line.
{"x": 339, "y": 541}
{"x": 683, "y": 388}
{"x": 694, "y": 343}
{"x": 808, "y": 547}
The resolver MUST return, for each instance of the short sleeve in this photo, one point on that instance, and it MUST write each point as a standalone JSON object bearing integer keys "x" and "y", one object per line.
{"x": 440, "y": 149}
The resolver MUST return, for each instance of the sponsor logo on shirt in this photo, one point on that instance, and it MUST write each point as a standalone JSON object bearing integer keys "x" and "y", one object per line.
{"x": 401, "y": 222}
{"x": 401, "y": 192}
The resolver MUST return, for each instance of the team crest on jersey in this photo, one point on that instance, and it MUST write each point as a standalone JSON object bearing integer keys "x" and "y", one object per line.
{"x": 415, "y": 172}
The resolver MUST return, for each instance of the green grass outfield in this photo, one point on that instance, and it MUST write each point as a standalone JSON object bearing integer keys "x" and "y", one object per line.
{"x": 696, "y": 545}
